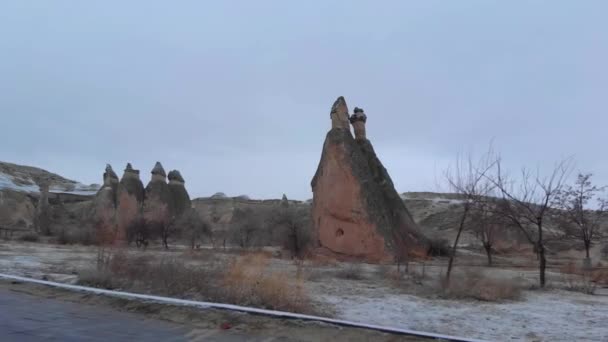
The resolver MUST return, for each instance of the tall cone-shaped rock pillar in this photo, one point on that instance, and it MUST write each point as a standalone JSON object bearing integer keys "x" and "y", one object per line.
{"x": 357, "y": 213}
{"x": 130, "y": 202}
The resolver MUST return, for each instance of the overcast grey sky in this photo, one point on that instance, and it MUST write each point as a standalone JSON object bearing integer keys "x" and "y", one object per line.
{"x": 236, "y": 94}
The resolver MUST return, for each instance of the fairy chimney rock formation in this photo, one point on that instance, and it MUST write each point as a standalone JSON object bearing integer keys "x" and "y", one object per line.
{"x": 180, "y": 200}
{"x": 158, "y": 172}
{"x": 356, "y": 210}
{"x": 130, "y": 201}
{"x": 105, "y": 206}
{"x": 358, "y": 120}
{"x": 157, "y": 198}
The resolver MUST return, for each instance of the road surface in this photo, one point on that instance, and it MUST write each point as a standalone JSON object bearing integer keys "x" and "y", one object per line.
{"x": 38, "y": 313}
{"x": 25, "y": 318}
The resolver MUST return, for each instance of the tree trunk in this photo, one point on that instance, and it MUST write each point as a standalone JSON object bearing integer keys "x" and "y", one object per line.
{"x": 488, "y": 249}
{"x": 542, "y": 264}
{"x": 587, "y": 248}
{"x": 453, "y": 254}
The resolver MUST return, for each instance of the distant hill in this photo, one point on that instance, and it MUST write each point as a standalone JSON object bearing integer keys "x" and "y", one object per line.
{"x": 27, "y": 179}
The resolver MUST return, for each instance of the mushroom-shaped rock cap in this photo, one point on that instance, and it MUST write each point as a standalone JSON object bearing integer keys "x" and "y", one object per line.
{"x": 130, "y": 169}
{"x": 159, "y": 170}
{"x": 110, "y": 172}
{"x": 175, "y": 175}
{"x": 339, "y": 114}
{"x": 359, "y": 115}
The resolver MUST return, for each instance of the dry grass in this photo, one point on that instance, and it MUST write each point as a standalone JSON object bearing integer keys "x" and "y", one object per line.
{"x": 476, "y": 285}
{"x": 244, "y": 280}
{"x": 577, "y": 279}
{"x": 249, "y": 281}
{"x": 600, "y": 276}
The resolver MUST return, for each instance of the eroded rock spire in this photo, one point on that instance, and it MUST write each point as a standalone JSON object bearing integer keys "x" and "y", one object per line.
{"x": 358, "y": 120}
{"x": 339, "y": 114}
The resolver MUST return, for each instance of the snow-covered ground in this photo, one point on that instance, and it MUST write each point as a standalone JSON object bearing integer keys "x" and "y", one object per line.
{"x": 29, "y": 186}
{"x": 542, "y": 316}
{"x": 7, "y": 182}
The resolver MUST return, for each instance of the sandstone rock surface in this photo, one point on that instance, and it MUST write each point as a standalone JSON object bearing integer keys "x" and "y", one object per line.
{"x": 356, "y": 210}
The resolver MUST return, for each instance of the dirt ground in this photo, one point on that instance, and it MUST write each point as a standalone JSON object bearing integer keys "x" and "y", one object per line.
{"x": 365, "y": 293}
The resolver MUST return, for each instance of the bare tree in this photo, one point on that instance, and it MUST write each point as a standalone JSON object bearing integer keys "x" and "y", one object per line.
{"x": 245, "y": 227}
{"x": 292, "y": 226}
{"x": 583, "y": 222}
{"x": 485, "y": 224}
{"x": 193, "y": 227}
{"x": 157, "y": 219}
{"x": 137, "y": 231}
{"x": 527, "y": 204}
{"x": 469, "y": 179}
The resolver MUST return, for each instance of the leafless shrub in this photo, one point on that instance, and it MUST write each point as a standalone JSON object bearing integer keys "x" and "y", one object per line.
{"x": 475, "y": 285}
{"x": 576, "y": 279}
{"x": 292, "y": 226}
{"x": 249, "y": 282}
{"x": 246, "y": 227}
{"x": 246, "y": 280}
{"x": 192, "y": 227}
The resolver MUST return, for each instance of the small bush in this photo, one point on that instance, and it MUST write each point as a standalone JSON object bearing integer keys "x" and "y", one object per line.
{"x": 439, "y": 248}
{"x": 475, "y": 285}
{"x": 600, "y": 276}
{"x": 580, "y": 284}
{"x": 246, "y": 280}
{"x": 579, "y": 280}
{"x": 29, "y": 237}
{"x": 249, "y": 282}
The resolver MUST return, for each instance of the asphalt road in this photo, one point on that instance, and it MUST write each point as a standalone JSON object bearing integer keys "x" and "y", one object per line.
{"x": 38, "y": 313}
{"x": 26, "y": 318}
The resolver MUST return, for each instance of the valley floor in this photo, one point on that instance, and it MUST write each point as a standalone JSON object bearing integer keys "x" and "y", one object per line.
{"x": 363, "y": 293}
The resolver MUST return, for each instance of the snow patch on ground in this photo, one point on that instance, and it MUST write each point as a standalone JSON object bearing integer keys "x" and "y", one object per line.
{"x": 29, "y": 186}
{"x": 8, "y": 182}
{"x": 436, "y": 200}
{"x": 542, "y": 316}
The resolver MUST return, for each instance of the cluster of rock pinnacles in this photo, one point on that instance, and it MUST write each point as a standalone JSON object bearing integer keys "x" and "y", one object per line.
{"x": 119, "y": 203}
{"x": 356, "y": 211}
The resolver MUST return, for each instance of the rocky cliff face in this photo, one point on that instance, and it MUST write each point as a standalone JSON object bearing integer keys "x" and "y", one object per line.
{"x": 356, "y": 210}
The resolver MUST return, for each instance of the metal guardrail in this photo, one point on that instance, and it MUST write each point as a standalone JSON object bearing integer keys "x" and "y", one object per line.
{"x": 229, "y": 307}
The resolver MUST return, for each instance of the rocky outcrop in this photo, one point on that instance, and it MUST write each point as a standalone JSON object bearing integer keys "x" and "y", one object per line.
{"x": 157, "y": 199}
{"x": 180, "y": 200}
{"x": 356, "y": 210}
{"x": 131, "y": 194}
{"x": 105, "y": 206}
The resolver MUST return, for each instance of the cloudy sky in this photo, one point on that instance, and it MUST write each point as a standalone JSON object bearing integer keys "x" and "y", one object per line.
{"x": 236, "y": 94}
